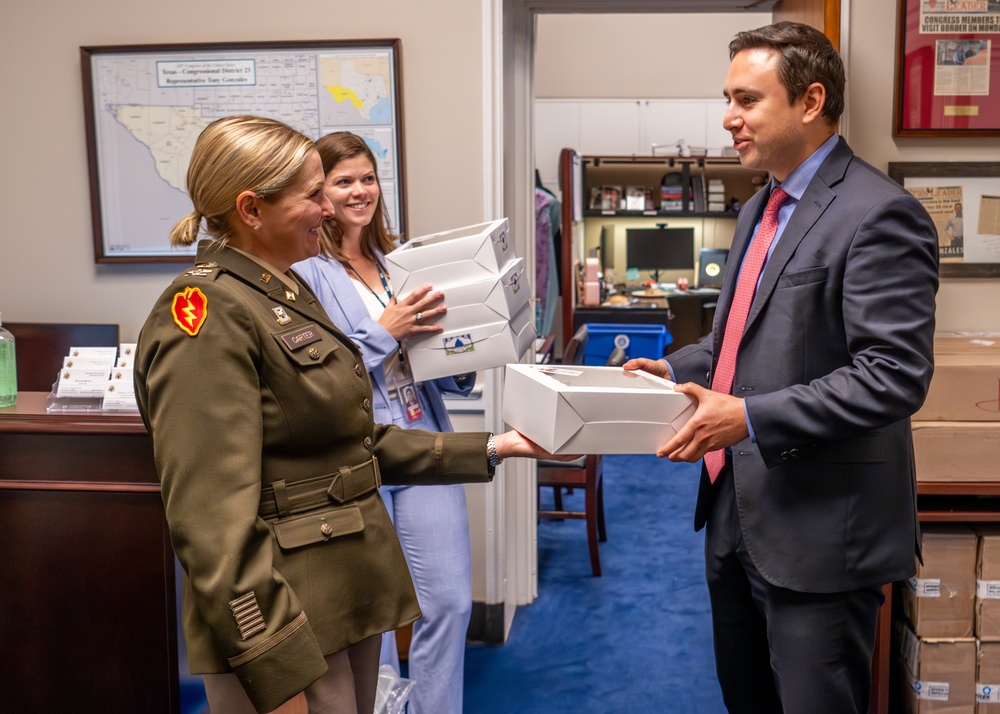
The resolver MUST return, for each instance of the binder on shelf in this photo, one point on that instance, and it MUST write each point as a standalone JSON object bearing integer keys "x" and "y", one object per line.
{"x": 686, "y": 187}
{"x": 698, "y": 195}
{"x": 676, "y": 191}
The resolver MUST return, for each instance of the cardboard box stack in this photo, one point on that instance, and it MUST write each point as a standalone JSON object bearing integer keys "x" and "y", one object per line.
{"x": 939, "y": 675}
{"x": 939, "y": 601}
{"x": 948, "y": 643}
{"x": 956, "y": 438}
{"x": 988, "y": 620}
{"x": 489, "y": 321}
{"x": 961, "y": 415}
{"x": 988, "y": 584}
{"x": 937, "y": 651}
{"x": 988, "y": 677}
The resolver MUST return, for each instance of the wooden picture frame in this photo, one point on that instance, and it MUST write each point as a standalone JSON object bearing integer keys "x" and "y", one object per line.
{"x": 144, "y": 106}
{"x": 969, "y": 247}
{"x": 947, "y": 68}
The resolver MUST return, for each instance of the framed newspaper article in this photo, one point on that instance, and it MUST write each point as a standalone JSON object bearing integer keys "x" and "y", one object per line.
{"x": 145, "y": 105}
{"x": 964, "y": 201}
{"x": 948, "y": 68}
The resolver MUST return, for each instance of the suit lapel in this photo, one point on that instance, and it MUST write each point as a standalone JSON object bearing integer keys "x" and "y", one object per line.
{"x": 818, "y": 196}
{"x": 745, "y": 222}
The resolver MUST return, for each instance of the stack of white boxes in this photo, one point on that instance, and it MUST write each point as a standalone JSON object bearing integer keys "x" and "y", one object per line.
{"x": 716, "y": 195}
{"x": 489, "y": 321}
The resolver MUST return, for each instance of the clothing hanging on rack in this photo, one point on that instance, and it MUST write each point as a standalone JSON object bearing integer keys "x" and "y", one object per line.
{"x": 555, "y": 221}
{"x": 547, "y": 232}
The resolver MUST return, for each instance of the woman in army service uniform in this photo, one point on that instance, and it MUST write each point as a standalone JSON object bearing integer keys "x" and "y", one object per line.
{"x": 266, "y": 449}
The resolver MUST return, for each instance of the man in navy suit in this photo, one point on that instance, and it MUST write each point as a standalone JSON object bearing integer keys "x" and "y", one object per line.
{"x": 812, "y": 508}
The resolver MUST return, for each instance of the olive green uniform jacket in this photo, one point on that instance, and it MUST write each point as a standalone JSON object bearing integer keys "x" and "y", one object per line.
{"x": 268, "y": 457}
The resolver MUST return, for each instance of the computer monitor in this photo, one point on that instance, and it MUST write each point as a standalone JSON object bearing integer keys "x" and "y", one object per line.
{"x": 656, "y": 249}
{"x": 607, "y": 247}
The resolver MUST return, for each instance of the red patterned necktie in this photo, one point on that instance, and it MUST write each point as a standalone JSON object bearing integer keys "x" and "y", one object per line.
{"x": 746, "y": 286}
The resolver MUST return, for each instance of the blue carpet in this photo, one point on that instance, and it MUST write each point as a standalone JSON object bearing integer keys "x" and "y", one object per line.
{"x": 637, "y": 639}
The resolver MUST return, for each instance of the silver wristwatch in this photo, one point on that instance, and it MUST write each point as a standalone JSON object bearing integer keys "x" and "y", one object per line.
{"x": 492, "y": 458}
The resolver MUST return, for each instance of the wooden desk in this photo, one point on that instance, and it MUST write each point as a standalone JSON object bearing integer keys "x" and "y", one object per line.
{"x": 688, "y": 317}
{"x": 87, "y": 609}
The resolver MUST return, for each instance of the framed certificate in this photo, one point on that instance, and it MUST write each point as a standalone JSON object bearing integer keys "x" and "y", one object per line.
{"x": 963, "y": 198}
{"x": 948, "y": 68}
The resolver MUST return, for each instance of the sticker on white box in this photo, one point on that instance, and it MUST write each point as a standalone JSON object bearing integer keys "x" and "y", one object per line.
{"x": 468, "y": 350}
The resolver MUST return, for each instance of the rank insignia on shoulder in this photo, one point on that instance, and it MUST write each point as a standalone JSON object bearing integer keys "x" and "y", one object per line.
{"x": 201, "y": 270}
{"x": 189, "y": 310}
{"x": 279, "y": 312}
{"x": 265, "y": 278}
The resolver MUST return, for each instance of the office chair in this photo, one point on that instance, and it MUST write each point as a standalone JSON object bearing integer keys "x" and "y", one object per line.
{"x": 586, "y": 472}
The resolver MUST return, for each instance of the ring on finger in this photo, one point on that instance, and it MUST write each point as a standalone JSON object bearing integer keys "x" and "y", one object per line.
{"x": 419, "y": 316}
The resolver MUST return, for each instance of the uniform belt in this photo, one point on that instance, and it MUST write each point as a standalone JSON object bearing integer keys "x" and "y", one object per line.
{"x": 349, "y": 483}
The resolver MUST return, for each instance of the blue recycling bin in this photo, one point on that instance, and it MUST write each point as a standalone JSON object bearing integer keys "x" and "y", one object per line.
{"x": 637, "y": 340}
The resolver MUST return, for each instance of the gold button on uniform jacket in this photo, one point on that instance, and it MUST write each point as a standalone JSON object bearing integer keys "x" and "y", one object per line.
{"x": 269, "y": 462}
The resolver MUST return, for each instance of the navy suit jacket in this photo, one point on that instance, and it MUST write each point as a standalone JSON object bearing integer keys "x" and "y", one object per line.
{"x": 835, "y": 357}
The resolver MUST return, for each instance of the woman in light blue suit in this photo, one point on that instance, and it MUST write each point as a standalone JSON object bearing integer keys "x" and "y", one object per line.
{"x": 352, "y": 283}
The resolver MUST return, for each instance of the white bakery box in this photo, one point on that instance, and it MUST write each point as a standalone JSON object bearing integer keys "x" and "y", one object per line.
{"x": 486, "y": 301}
{"x": 569, "y": 409}
{"x": 471, "y": 347}
{"x": 453, "y": 257}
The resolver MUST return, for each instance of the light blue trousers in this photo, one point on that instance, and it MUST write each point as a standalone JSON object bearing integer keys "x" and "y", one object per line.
{"x": 432, "y": 524}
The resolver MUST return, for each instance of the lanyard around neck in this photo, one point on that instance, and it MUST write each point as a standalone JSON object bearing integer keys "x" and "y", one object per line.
{"x": 388, "y": 292}
{"x": 381, "y": 275}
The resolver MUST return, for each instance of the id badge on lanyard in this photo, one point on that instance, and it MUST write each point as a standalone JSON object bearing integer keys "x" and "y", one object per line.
{"x": 406, "y": 389}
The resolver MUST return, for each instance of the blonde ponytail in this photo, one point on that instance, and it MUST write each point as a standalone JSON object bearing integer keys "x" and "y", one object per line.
{"x": 186, "y": 230}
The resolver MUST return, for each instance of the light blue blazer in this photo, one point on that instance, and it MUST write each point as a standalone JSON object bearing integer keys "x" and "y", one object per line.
{"x": 331, "y": 283}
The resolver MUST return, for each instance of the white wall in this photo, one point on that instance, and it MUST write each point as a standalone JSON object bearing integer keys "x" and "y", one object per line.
{"x": 47, "y": 268}
{"x": 677, "y": 55}
{"x": 627, "y": 56}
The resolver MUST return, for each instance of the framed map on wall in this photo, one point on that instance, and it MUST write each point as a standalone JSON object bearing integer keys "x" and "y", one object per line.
{"x": 145, "y": 106}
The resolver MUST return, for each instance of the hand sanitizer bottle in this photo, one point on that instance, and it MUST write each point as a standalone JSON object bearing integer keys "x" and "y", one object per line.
{"x": 8, "y": 368}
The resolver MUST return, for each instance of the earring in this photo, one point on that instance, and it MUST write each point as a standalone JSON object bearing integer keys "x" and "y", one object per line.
{"x": 257, "y": 227}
